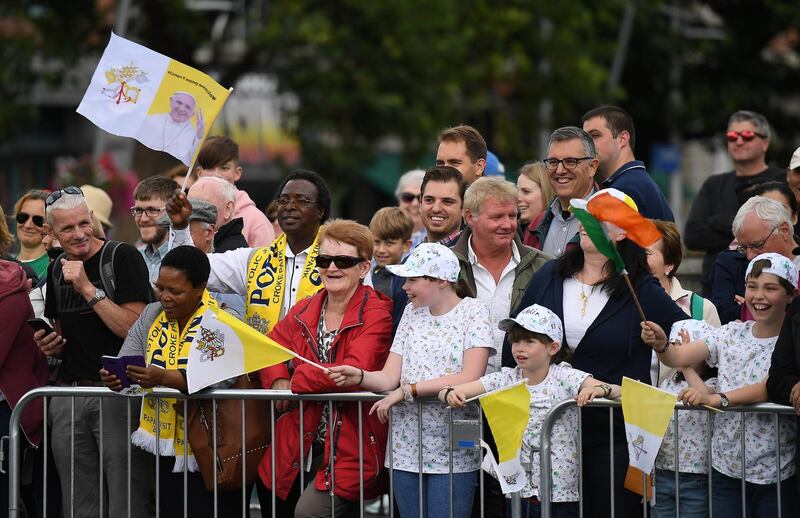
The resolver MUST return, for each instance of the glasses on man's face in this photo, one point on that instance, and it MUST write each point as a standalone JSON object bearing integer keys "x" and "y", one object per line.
{"x": 23, "y": 217}
{"x": 151, "y": 212}
{"x": 285, "y": 201}
{"x": 342, "y": 262}
{"x": 756, "y": 246}
{"x": 55, "y": 195}
{"x": 569, "y": 163}
{"x": 746, "y": 135}
{"x": 408, "y": 197}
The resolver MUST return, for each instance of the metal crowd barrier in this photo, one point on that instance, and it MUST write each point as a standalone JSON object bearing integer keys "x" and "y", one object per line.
{"x": 16, "y": 439}
{"x": 558, "y": 410}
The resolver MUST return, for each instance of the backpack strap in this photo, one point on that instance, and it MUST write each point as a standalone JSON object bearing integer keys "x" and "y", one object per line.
{"x": 697, "y": 306}
{"x": 107, "y": 276}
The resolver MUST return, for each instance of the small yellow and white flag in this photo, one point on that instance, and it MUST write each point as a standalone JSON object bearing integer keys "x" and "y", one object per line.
{"x": 224, "y": 347}
{"x": 507, "y": 410}
{"x": 647, "y": 411}
{"x": 164, "y": 104}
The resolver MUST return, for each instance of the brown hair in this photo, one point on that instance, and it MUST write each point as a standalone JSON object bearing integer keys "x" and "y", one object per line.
{"x": 444, "y": 174}
{"x": 671, "y": 247}
{"x": 476, "y": 146}
{"x": 179, "y": 170}
{"x": 349, "y": 232}
{"x": 537, "y": 173}
{"x": 391, "y": 223}
{"x": 216, "y": 151}
{"x": 617, "y": 120}
{"x": 155, "y": 187}
{"x": 518, "y": 333}
{"x": 5, "y": 236}
{"x": 33, "y": 194}
{"x": 758, "y": 269}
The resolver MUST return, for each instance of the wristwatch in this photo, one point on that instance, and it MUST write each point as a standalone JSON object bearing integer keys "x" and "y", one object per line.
{"x": 723, "y": 400}
{"x": 98, "y": 296}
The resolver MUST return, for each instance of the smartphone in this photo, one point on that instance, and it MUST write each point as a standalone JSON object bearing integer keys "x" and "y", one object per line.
{"x": 41, "y": 324}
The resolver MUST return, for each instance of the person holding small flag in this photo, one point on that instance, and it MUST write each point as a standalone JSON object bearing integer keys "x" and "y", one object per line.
{"x": 536, "y": 335}
{"x": 442, "y": 340}
{"x": 588, "y": 288}
{"x": 741, "y": 351}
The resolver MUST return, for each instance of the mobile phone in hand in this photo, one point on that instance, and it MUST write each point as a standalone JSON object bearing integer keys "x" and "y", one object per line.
{"x": 40, "y": 324}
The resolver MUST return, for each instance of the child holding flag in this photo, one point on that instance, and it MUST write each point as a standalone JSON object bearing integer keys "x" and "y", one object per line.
{"x": 441, "y": 340}
{"x": 535, "y": 336}
{"x": 692, "y": 433}
{"x": 741, "y": 351}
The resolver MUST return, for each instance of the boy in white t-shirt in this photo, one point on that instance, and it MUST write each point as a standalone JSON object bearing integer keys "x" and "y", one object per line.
{"x": 441, "y": 340}
{"x": 535, "y": 336}
{"x": 742, "y": 351}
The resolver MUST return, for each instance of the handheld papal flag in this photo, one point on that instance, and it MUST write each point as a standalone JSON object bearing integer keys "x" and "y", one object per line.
{"x": 165, "y": 105}
{"x": 507, "y": 410}
{"x": 647, "y": 411}
{"x": 224, "y": 347}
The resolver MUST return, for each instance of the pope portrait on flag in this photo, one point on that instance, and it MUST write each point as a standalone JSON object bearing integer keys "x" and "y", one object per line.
{"x": 173, "y": 131}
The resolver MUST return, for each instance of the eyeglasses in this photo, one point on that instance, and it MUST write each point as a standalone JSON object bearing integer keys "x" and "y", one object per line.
{"x": 23, "y": 217}
{"x": 285, "y": 201}
{"x": 746, "y": 135}
{"x": 341, "y": 261}
{"x": 408, "y": 197}
{"x": 756, "y": 246}
{"x": 55, "y": 195}
{"x": 152, "y": 212}
{"x": 569, "y": 163}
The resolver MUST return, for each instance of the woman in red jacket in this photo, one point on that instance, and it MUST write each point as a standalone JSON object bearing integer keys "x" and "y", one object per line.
{"x": 344, "y": 323}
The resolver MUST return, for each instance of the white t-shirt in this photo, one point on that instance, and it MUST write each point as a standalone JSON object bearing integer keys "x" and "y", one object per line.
{"x": 692, "y": 434}
{"x": 432, "y": 347}
{"x": 742, "y": 359}
{"x": 575, "y": 324}
{"x": 562, "y": 382}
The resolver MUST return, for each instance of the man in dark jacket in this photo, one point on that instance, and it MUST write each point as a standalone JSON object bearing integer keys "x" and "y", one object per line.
{"x": 708, "y": 228}
{"x": 221, "y": 194}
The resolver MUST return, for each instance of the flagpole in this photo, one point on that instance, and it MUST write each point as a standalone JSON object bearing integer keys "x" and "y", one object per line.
{"x": 200, "y": 145}
{"x": 520, "y": 382}
{"x": 627, "y": 278}
{"x": 317, "y": 365}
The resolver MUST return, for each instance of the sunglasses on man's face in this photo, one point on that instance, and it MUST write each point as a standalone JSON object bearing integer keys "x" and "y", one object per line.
{"x": 746, "y": 135}
{"x": 342, "y": 262}
{"x": 408, "y": 197}
{"x": 23, "y": 217}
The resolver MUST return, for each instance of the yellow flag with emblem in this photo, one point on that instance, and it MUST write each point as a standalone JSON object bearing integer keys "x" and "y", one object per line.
{"x": 646, "y": 410}
{"x": 507, "y": 410}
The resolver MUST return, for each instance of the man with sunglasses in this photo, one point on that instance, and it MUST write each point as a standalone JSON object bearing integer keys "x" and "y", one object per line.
{"x": 274, "y": 277}
{"x": 708, "y": 228}
{"x": 571, "y": 165}
{"x": 90, "y": 323}
{"x": 150, "y": 198}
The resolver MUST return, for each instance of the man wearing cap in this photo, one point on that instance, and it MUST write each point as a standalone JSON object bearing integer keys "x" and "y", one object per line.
{"x": 150, "y": 197}
{"x": 793, "y": 174}
{"x": 761, "y": 225}
{"x": 222, "y": 194}
{"x": 708, "y": 228}
{"x": 614, "y": 137}
{"x": 463, "y": 147}
{"x": 571, "y": 166}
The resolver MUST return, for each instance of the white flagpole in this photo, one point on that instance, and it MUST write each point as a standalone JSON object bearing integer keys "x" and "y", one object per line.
{"x": 520, "y": 382}
{"x": 317, "y": 365}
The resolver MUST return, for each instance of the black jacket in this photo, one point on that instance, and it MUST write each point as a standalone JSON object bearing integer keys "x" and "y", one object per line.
{"x": 784, "y": 369}
{"x": 229, "y": 236}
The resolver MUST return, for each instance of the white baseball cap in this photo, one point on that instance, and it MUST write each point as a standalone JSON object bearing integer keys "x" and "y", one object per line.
{"x": 537, "y": 319}
{"x": 697, "y": 329}
{"x": 780, "y": 266}
{"x": 429, "y": 260}
{"x": 794, "y": 163}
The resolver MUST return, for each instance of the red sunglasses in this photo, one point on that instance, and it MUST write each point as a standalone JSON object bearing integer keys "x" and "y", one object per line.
{"x": 746, "y": 135}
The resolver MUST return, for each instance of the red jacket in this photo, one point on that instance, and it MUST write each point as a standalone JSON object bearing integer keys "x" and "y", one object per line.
{"x": 22, "y": 365}
{"x": 363, "y": 341}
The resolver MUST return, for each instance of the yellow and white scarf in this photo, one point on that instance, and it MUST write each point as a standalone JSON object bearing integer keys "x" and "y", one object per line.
{"x": 266, "y": 283}
{"x": 168, "y": 348}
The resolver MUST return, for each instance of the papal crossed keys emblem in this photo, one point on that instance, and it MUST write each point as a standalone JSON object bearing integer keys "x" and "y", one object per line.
{"x": 211, "y": 344}
{"x": 259, "y": 324}
{"x": 638, "y": 446}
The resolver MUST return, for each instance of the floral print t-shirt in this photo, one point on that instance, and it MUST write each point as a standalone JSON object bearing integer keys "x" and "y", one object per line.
{"x": 742, "y": 359}
{"x": 432, "y": 347}
{"x": 692, "y": 433}
{"x": 562, "y": 382}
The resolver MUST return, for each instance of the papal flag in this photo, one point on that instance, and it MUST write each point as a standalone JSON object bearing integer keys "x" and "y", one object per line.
{"x": 647, "y": 411}
{"x": 224, "y": 347}
{"x": 507, "y": 410}
{"x": 165, "y": 105}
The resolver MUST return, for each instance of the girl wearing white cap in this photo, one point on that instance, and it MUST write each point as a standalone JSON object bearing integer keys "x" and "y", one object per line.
{"x": 441, "y": 340}
{"x": 535, "y": 335}
{"x": 741, "y": 351}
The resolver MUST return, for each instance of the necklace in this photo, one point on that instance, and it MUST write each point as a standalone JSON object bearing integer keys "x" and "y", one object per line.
{"x": 584, "y": 297}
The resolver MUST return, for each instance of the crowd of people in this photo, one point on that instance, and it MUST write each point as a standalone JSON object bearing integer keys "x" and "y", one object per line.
{"x": 469, "y": 284}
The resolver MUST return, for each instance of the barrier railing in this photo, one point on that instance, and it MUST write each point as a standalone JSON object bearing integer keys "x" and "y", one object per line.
{"x": 16, "y": 439}
{"x": 558, "y": 410}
